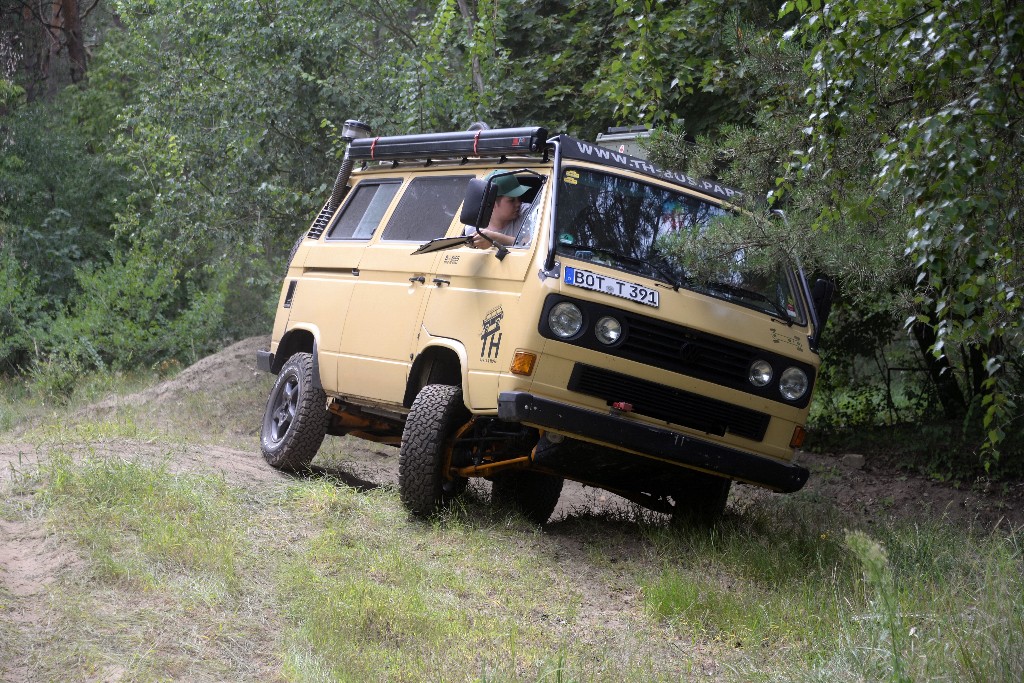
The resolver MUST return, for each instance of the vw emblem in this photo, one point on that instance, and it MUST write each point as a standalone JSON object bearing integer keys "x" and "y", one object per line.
{"x": 688, "y": 352}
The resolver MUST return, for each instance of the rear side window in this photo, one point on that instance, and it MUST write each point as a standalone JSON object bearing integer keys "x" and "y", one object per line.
{"x": 363, "y": 211}
{"x": 426, "y": 209}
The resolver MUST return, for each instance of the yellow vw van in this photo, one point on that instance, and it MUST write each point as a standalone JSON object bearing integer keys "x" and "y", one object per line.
{"x": 580, "y": 351}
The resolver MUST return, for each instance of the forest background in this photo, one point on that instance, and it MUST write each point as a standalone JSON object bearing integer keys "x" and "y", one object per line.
{"x": 158, "y": 159}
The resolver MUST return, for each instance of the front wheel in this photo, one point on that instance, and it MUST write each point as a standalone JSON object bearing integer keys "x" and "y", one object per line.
{"x": 700, "y": 499}
{"x": 435, "y": 415}
{"x": 295, "y": 420}
{"x": 534, "y": 494}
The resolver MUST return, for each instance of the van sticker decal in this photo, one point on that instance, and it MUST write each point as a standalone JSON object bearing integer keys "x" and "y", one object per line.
{"x": 587, "y": 152}
{"x": 783, "y": 338}
{"x": 490, "y": 335}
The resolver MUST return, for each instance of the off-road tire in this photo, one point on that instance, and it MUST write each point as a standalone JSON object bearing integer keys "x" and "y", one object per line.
{"x": 532, "y": 494}
{"x": 295, "y": 420}
{"x": 700, "y": 500}
{"x": 426, "y": 440}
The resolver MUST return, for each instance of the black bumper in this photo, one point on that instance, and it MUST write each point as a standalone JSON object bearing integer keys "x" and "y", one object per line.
{"x": 625, "y": 433}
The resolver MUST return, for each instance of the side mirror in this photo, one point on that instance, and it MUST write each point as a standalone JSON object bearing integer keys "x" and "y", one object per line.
{"x": 479, "y": 202}
{"x": 823, "y": 293}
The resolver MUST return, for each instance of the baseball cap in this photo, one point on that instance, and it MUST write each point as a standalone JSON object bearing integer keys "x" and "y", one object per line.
{"x": 507, "y": 185}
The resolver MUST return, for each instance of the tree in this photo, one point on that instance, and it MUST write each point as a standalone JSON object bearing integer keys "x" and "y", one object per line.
{"x": 888, "y": 134}
{"x": 940, "y": 84}
{"x": 38, "y": 33}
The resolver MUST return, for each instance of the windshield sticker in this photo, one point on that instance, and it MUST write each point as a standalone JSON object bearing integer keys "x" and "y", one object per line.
{"x": 490, "y": 335}
{"x": 577, "y": 149}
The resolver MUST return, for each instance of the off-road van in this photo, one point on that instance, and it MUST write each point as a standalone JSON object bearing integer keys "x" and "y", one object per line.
{"x": 582, "y": 351}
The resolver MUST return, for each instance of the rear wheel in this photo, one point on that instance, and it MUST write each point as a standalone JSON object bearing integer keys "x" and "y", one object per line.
{"x": 435, "y": 416}
{"x": 295, "y": 420}
{"x": 700, "y": 499}
{"x": 533, "y": 494}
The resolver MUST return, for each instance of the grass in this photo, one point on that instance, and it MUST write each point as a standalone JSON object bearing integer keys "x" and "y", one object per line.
{"x": 357, "y": 591}
{"x": 170, "y": 575}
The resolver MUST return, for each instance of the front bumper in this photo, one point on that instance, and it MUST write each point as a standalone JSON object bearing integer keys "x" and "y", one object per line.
{"x": 656, "y": 442}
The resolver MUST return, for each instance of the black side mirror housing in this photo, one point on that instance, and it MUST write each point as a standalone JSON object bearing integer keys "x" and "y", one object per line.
{"x": 479, "y": 202}
{"x": 823, "y": 293}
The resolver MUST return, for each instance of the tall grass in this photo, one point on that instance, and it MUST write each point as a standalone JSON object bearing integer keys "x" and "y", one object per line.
{"x": 139, "y": 522}
{"x": 901, "y": 602}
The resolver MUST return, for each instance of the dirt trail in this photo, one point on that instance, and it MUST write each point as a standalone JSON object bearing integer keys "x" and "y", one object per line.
{"x": 31, "y": 557}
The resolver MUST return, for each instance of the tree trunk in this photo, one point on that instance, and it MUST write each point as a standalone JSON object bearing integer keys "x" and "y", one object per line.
{"x": 75, "y": 40}
{"x": 950, "y": 396}
{"x": 469, "y": 15}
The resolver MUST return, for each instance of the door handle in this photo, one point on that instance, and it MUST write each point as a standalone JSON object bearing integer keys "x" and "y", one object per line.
{"x": 418, "y": 278}
{"x": 438, "y": 281}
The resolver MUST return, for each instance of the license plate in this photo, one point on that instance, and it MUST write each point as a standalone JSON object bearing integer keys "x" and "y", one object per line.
{"x": 610, "y": 285}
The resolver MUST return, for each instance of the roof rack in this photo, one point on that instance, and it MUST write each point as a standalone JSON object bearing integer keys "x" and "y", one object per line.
{"x": 497, "y": 142}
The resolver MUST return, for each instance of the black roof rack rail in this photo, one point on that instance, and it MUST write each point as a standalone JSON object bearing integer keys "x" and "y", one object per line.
{"x": 479, "y": 143}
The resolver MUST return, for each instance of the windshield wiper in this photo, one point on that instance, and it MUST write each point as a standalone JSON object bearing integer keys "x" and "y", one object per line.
{"x": 751, "y": 294}
{"x": 639, "y": 264}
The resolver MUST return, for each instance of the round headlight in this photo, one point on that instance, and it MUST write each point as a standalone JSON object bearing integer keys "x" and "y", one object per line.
{"x": 793, "y": 384}
{"x": 608, "y": 330}
{"x": 760, "y": 373}
{"x": 565, "y": 319}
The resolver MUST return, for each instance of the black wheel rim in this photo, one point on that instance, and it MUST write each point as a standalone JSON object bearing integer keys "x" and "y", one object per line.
{"x": 282, "y": 414}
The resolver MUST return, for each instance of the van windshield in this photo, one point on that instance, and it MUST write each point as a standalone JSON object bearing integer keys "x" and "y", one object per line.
{"x": 619, "y": 223}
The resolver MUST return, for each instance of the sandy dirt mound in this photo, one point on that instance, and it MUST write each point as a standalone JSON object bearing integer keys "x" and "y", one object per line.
{"x": 234, "y": 365}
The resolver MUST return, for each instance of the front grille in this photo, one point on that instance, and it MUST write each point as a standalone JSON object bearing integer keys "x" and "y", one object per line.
{"x": 321, "y": 222}
{"x": 669, "y": 404}
{"x": 687, "y": 351}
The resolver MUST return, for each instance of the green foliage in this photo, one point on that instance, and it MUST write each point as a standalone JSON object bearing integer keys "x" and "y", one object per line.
{"x": 11, "y": 95}
{"x": 139, "y": 309}
{"x": 206, "y": 139}
{"x": 937, "y": 85}
{"x": 23, "y": 318}
{"x": 672, "y": 62}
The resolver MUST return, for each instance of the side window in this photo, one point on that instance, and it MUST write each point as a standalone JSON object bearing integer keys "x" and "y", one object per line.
{"x": 426, "y": 209}
{"x": 363, "y": 211}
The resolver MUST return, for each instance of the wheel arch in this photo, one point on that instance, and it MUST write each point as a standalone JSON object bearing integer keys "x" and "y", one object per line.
{"x": 294, "y": 341}
{"x": 443, "y": 362}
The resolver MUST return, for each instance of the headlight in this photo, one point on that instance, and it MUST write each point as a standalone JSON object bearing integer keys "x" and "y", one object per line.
{"x": 793, "y": 384}
{"x": 565, "y": 319}
{"x": 760, "y": 373}
{"x": 608, "y": 330}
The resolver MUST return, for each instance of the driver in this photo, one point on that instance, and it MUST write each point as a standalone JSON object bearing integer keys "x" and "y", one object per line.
{"x": 507, "y": 218}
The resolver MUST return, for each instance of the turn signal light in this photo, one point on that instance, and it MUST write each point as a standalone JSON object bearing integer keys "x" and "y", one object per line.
{"x": 522, "y": 363}
{"x": 799, "y": 433}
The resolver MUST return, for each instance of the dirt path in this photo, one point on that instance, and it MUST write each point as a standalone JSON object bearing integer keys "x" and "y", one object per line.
{"x": 31, "y": 558}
